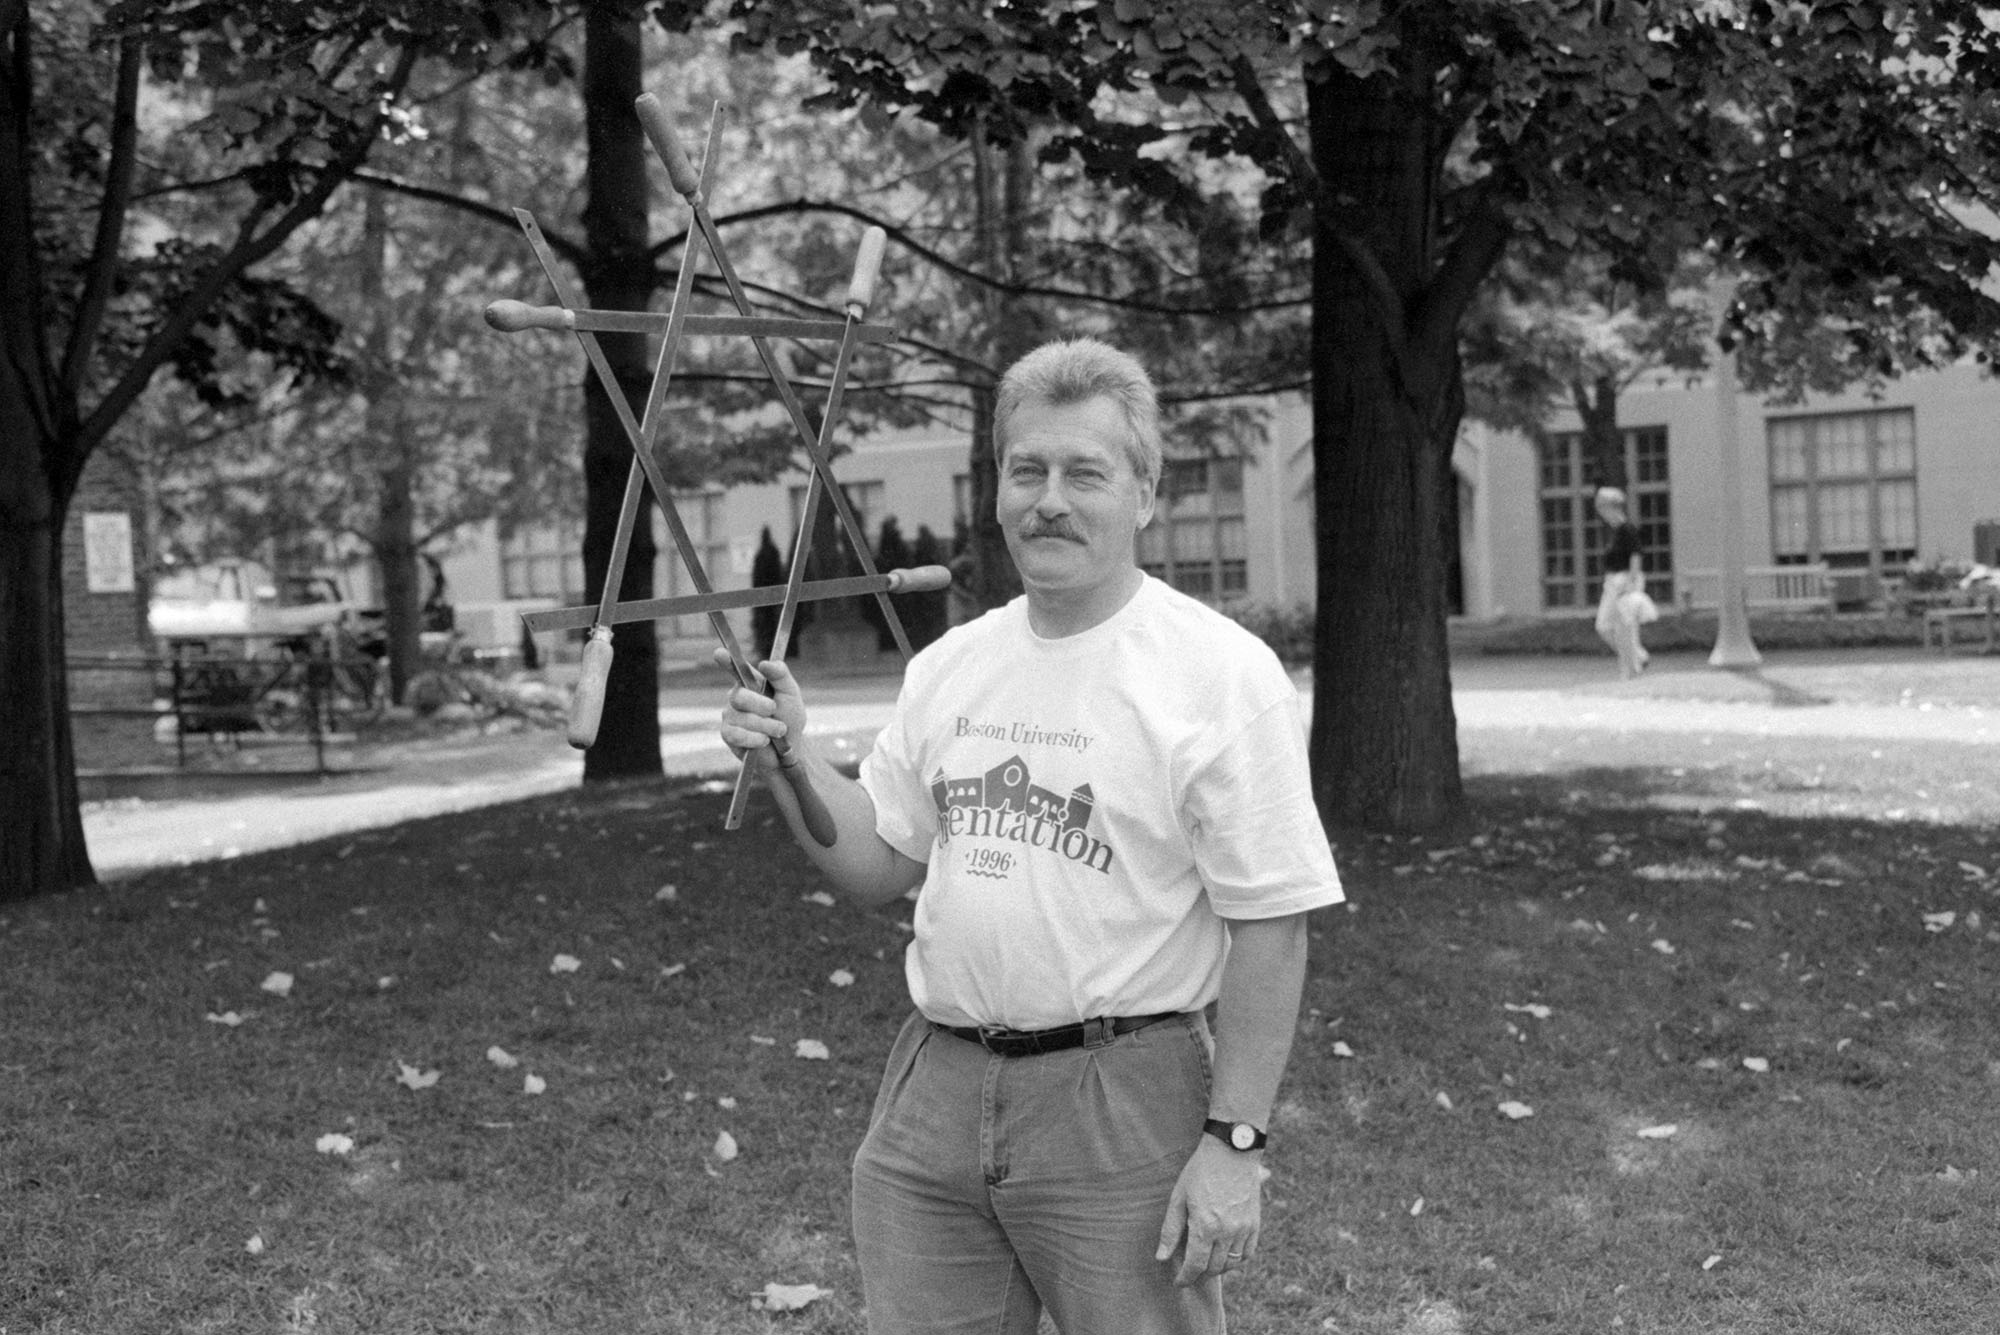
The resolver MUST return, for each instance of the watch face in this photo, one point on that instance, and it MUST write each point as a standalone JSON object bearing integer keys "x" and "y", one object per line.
{"x": 1243, "y": 1136}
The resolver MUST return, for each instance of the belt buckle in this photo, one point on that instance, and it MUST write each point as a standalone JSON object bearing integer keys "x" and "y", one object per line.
{"x": 989, "y": 1034}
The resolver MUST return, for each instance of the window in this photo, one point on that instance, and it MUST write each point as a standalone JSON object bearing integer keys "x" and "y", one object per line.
{"x": 1844, "y": 489}
{"x": 866, "y": 499}
{"x": 702, "y": 514}
{"x": 1572, "y": 536}
{"x": 1196, "y": 541}
{"x": 542, "y": 562}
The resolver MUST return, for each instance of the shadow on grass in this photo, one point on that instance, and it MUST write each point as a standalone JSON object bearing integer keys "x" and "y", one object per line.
{"x": 1782, "y": 694}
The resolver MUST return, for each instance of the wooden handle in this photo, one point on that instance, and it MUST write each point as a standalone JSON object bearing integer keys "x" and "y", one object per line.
{"x": 919, "y": 579}
{"x": 511, "y": 317}
{"x": 679, "y": 170}
{"x": 812, "y": 810}
{"x": 867, "y": 267}
{"x": 588, "y": 706}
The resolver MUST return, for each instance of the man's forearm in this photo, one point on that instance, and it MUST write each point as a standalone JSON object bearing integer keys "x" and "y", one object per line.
{"x": 861, "y": 864}
{"x": 1256, "y": 1015}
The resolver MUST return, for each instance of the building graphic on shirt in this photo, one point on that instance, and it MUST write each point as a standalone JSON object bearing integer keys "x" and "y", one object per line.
{"x": 1005, "y": 803}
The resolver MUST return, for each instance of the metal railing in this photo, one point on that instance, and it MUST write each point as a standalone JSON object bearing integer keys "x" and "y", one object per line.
{"x": 313, "y": 690}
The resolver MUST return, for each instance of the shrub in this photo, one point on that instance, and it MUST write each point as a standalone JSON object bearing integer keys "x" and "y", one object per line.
{"x": 1288, "y": 630}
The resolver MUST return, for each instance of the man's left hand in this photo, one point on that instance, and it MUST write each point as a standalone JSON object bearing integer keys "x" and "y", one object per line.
{"x": 1215, "y": 1207}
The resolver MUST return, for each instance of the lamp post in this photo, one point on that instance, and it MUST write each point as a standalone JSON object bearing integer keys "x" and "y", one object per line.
{"x": 1733, "y": 645}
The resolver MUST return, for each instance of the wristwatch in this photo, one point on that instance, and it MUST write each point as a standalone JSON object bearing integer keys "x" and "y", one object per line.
{"x": 1236, "y": 1135}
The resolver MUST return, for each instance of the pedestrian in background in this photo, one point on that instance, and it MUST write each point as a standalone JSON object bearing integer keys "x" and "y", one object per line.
{"x": 1624, "y": 605}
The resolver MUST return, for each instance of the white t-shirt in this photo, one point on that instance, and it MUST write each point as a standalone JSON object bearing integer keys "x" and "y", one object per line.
{"x": 1091, "y": 808}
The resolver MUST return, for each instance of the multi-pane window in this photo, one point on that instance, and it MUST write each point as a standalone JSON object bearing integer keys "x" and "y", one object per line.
{"x": 1573, "y": 538}
{"x": 1844, "y": 489}
{"x": 542, "y": 561}
{"x": 1196, "y": 541}
{"x": 866, "y": 499}
{"x": 702, "y": 514}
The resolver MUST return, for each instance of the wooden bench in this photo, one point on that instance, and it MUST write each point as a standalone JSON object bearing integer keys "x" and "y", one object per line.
{"x": 1939, "y": 622}
{"x": 1795, "y": 588}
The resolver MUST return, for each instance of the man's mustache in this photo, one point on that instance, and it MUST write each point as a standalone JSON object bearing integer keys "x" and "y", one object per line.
{"x": 1050, "y": 531}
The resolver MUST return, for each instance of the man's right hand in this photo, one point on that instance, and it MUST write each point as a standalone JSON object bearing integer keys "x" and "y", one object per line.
{"x": 751, "y": 719}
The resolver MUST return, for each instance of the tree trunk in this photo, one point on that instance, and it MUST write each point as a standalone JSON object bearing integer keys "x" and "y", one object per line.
{"x": 394, "y": 537}
{"x": 395, "y": 545}
{"x": 1385, "y": 411}
{"x": 1000, "y": 207}
{"x": 618, "y": 275}
{"x": 1596, "y": 403}
{"x": 41, "y": 824}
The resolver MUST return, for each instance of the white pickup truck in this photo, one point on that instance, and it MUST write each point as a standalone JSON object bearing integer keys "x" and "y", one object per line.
{"x": 234, "y": 599}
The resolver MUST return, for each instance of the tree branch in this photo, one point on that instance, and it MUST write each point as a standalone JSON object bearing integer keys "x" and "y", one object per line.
{"x": 249, "y": 248}
{"x": 1468, "y": 259}
{"x": 1258, "y": 103}
{"x": 101, "y": 272}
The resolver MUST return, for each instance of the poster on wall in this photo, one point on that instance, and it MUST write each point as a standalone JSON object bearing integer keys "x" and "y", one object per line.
{"x": 107, "y": 552}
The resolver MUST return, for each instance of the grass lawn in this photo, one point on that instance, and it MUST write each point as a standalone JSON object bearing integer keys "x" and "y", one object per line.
{"x": 1751, "y": 1015}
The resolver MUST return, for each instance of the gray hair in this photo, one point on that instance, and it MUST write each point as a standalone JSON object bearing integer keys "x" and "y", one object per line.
{"x": 1075, "y": 371}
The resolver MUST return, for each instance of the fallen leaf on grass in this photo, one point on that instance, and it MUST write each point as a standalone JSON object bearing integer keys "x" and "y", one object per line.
{"x": 820, "y": 897}
{"x": 764, "y": 1040}
{"x": 255, "y": 1246}
{"x": 1712, "y": 1262}
{"x": 725, "y": 1147}
{"x": 811, "y": 1049}
{"x": 278, "y": 983}
{"x": 1340, "y": 1048}
{"x": 565, "y": 964}
{"x": 501, "y": 1058}
{"x": 1514, "y": 1110}
{"x": 778, "y": 1297}
{"x": 333, "y": 1142}
{"x": 1664, "y": 946}
{"x": 230, "y": 1018}
{"x": 1534, "y": 1008}
{"x": 410, "y": 1076}
{"x": 1660, "y": 1132}
{"x": 1443, "y": 1100}
{"x": 1951, "y": 1174}
{"x": 841, "y": 978}
{"x": 533, "y": 1084}
{"x": 668, "y": 971}
{"x": 667, "y": 894}
{"x": 1938, "y": 922}
{"x": 1683, "y": 871}
{"x": 1757, "y": 1064}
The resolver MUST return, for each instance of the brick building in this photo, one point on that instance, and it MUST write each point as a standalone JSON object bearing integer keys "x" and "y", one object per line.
{"x": 106, "y": 640}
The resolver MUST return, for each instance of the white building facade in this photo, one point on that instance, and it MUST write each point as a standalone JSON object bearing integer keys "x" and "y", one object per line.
{"x": 1864, "y": 484}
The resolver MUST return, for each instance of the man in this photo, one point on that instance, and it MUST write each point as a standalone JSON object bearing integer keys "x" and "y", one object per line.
{"x": 1102, "y": 790}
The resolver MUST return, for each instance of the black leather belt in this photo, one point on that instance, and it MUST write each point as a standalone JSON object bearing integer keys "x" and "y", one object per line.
{"x": 1032, "y": 1042}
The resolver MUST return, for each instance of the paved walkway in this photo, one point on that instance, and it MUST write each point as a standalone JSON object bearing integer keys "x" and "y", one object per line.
{"x": 1886, "y": 695}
